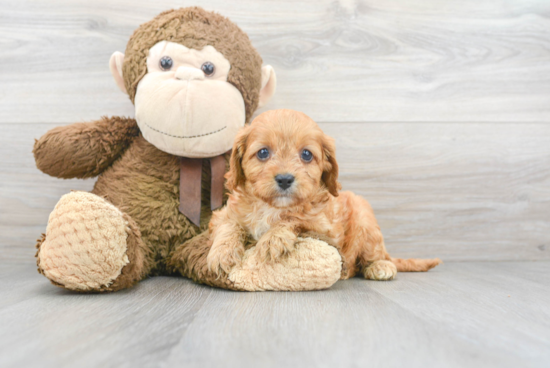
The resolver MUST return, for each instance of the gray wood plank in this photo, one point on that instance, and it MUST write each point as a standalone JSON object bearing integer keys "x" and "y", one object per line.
{"x": 490, "y": 314}
{"x": 484, "y": 303}
{"x": 136, "y": 327}
{"x": 366, "y": 60}
{"x": 358, "y": 322}
{"x": 457, "y": 191}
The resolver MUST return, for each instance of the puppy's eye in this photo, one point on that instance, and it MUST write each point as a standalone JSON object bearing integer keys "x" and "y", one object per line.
{"x": 307, "y": 156}
{"x": 263, "y": 154}
{"x": 208, "y": 68}
{"x": 166, "y": 63}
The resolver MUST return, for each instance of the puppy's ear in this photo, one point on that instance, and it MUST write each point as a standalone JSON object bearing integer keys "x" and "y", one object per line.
{"x": 235, "y": 176}
{"x": 330, "y": 168}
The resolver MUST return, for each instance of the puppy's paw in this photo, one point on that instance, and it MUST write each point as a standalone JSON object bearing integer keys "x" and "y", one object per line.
{"x": 271, "y": 248}
{"x": 223, "y": 257}
{"x": 381, "y": 271}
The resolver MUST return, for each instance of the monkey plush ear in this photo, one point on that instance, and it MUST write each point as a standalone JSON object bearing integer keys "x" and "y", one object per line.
{"x": 115, "y": 64}
{"x": 269, "y": 84}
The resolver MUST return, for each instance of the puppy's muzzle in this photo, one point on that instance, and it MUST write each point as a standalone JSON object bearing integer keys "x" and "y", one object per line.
{"x": 284, "y": 181}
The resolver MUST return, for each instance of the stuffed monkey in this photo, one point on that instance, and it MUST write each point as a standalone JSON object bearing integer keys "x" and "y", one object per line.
{"x": 195, "y": 79}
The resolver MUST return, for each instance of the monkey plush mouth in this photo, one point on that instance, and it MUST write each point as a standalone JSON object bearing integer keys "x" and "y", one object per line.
{"x": 185, "y": 136}
{"x": 181, "y": 118}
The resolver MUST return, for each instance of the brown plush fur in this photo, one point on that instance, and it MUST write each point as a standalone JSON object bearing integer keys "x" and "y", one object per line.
{"x": 142, "y": 181}
{"x": 84, "y": 150}
{"x": 190, "y": 261}
{"x": 257, "y": 206}
{"x": 139, "y": 255}
{"x": 196, "y": 28}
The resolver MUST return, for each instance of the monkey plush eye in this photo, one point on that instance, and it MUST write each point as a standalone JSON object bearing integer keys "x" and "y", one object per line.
{"x": 166, "y": 63}
{"x": 208, "y": 68}
{"x": 263, "y": 154}
{"x": 307, "y": 156}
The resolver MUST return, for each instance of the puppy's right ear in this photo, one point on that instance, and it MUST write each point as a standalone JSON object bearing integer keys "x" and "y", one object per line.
{"x": 235, "y": 176}
{"x": 330, "y": 169}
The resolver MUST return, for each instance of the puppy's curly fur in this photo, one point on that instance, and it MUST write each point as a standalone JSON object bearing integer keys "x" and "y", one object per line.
{"x": 275, "y": 213}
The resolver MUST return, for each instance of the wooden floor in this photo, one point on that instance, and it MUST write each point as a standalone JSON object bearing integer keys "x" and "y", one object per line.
{"x": 441, "y": 115}
{"x": 462, "y": 314}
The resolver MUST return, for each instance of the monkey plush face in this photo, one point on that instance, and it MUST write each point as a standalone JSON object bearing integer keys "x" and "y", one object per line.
{"x": 184, "y": 104}
{"x": 196, "y": 85}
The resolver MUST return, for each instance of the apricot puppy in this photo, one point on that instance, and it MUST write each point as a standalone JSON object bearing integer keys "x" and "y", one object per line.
{"x": 283, "y": 182}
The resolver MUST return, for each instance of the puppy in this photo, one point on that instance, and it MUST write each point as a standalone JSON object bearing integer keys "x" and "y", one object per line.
{"x": 283, "y": 182}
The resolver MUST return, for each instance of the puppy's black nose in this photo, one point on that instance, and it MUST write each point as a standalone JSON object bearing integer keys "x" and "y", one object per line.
{"x": 284, "y": 180}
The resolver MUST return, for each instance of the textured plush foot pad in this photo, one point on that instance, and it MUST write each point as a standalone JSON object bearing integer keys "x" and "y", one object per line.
{"x": 85, "y": 245}
{"x": 313, "y": 265}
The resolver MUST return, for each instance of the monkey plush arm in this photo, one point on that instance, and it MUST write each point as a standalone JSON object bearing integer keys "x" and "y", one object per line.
{"x": 84, "y": 150}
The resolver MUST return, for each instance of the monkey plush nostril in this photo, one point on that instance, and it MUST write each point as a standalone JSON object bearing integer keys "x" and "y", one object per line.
{"x": 186, "y": 73}
{"x": 284, "y": 180}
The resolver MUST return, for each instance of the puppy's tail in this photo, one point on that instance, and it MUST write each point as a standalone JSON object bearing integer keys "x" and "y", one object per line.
{"x": 415, "y": 264}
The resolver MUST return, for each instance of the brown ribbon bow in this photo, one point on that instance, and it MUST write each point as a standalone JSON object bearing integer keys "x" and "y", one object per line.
{"x": 191, "y": 183}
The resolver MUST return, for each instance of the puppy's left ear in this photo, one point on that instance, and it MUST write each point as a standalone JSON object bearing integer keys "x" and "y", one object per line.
{"x": 235, "y": 176}
{"x": 330, "y": 169}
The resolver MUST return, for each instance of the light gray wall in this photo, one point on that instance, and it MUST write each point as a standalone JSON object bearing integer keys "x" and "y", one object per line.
{"x": 440, "y": 109}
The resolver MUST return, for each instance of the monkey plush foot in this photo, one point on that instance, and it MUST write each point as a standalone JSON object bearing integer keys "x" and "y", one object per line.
{"x": 312, "y": 265}
{"x": 90, "y": 245}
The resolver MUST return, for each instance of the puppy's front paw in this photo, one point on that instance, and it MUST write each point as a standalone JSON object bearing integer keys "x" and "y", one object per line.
{"x": 223, "y": 257}
{"x": 381, "y": 271}
{"x": 273, "y": 247}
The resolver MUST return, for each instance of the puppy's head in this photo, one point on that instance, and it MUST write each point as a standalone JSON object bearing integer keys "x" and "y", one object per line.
{"x": 283, "y": 158}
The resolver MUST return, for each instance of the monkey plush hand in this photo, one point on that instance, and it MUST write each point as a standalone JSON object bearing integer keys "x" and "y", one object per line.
{"x": 195, "y": 79}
